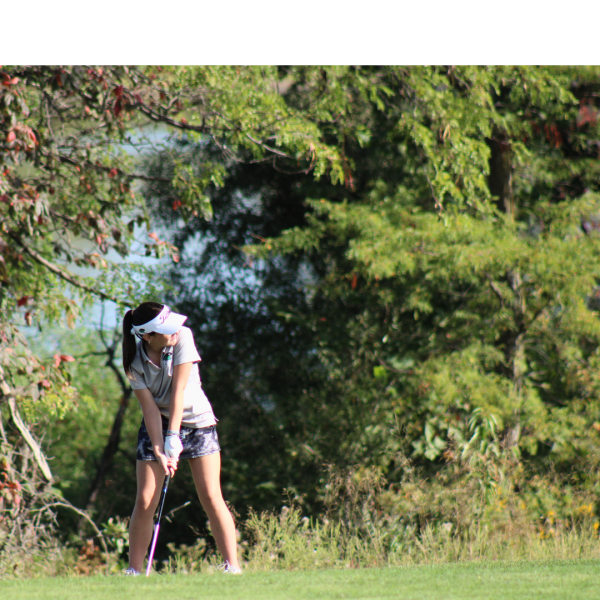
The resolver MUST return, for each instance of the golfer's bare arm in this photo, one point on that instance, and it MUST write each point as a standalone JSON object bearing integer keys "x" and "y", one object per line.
{"x": 181, "y": 375}
{"x": 151, "y": 418}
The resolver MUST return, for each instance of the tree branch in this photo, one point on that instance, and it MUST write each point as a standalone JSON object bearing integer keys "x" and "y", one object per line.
{"x": 65, "y": 275}
{"x": 68, "y": 160}
{"x": 154, "y": 116}
{"x": 203, "y": 129}
{"x": 495, "y": 288}
{"x": 37, "y": 451}
{"x": 111, "y": 448}
{"x": 82, "y": 513}
{"x": 269, "y": 148}
{"x": 112, "y": 445}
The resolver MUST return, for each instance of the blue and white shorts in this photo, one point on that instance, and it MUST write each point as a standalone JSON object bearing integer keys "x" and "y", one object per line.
{"x": 196, "y": 442}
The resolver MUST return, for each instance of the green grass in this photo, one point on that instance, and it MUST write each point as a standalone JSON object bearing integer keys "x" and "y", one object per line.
{"x": 564, "y": 580}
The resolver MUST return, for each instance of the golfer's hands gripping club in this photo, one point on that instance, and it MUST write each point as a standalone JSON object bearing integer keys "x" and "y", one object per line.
{"x": 173, "y": 446}
{"x": 168, "y": 464}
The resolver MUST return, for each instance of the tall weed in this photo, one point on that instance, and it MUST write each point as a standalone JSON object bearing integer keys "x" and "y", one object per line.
{"x": 484, "y": 507}
{"x": 479, "y": 508}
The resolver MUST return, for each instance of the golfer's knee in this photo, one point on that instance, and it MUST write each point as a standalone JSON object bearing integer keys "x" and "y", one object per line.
{"x": 144, "y": 505}
{"x": 213, "y": 502}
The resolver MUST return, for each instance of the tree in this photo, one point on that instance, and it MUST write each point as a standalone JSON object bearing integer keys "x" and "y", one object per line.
{"x": 443, "y": 296}
{"x": 470, "y": 287}
{"x": 71, "y": 137}
{"x": 254, "y": 362}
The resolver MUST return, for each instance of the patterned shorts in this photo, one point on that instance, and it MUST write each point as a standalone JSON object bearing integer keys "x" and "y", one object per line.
{"x": 196, "y": 442}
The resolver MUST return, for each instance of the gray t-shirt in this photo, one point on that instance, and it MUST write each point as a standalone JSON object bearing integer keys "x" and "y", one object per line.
{"x": 197, "y": 411}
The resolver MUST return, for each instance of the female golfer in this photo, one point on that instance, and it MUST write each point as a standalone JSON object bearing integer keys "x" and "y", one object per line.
{"x": 159, "y": 357}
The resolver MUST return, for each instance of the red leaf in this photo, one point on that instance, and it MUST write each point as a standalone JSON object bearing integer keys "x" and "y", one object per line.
{"x": 11, "y": 137}
{"x": 45, "y": 383}
{"x": 56, "y": 358}
{"x": 22, "y": 301}
{"x": 112, "y": 173}
{"x": 587, "y": 114}
{"x": 66, "y": 358}
{"x": 176, "y": 204}
{"x": 118, "y": 91}
{"x": 153, "y": 236}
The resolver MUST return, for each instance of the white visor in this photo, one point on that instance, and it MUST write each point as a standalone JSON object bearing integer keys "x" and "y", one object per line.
{"x": 166, "y": 322}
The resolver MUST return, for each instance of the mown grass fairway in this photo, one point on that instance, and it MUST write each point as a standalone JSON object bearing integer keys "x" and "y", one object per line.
{"x": 563, "y": 580}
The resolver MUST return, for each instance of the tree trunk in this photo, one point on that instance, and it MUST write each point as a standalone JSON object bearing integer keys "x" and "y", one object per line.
{"x": 500, "y": 177}
{"x": 517, "y": 355}
{"x": 111, "y": 448}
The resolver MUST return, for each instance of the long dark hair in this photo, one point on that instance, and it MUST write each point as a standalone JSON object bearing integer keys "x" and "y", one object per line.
{"x": 142, "y": 314}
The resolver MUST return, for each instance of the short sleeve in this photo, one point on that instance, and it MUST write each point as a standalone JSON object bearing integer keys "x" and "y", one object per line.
{"x": 185, "y": 349}
{"x": 136, "y": 379}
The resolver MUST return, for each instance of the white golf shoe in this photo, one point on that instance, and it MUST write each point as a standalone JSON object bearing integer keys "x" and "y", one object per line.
{"x": 228, "y": 569}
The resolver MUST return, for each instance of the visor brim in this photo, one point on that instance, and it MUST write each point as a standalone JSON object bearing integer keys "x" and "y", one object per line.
{"x": 172, "y": 324}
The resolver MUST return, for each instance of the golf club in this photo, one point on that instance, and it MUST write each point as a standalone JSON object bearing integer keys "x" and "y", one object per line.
{"x": 157, "y": 524}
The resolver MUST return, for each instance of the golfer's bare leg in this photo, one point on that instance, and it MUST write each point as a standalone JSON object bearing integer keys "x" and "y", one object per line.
{"x": 150, "y": 477}
{"x": 206, "y": 471}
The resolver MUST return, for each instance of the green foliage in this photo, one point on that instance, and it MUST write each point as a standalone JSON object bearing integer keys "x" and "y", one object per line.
{"x": 440, "y": 304}
{"x": 420, "y": 277}
{"x": 117, "y": 533}
{"x": 492, "y": 298}
{"x": 488, "y": 304}
{"x": 75, "y": 439}
{"x": 71, "y": 215}
{"x": 473, "y": 513}
{"x": 67, "y": 182}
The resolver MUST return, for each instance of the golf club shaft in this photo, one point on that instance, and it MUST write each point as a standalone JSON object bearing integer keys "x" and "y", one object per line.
{"x": 157, "y": 524}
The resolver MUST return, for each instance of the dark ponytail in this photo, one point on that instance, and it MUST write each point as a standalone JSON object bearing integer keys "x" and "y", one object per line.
{"x": 142, "y": 314}
{"x": 129, "y": 342}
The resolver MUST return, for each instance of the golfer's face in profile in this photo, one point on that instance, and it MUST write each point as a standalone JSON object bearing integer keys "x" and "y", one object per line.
{"x": 161, "y": 340}
{"x": 170, "y": 340}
